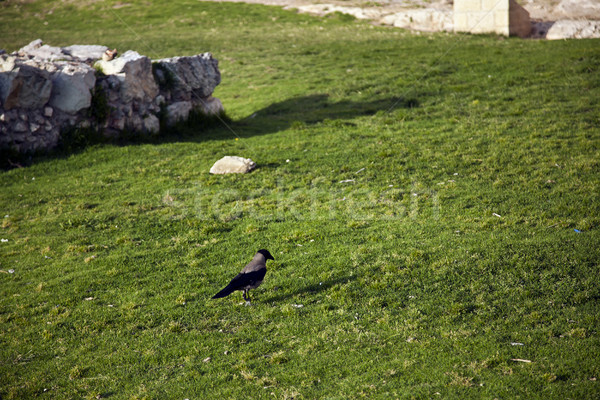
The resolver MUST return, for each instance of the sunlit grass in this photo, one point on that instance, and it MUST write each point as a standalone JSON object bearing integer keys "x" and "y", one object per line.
{"x": 431, "y": 202}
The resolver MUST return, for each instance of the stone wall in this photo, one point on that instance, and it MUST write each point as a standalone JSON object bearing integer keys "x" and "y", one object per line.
{"x": 46, "y": 90}
{"x": 504, "y": 17}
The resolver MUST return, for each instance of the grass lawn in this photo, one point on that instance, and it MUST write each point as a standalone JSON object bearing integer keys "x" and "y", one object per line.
{"x": 432, "y": 202}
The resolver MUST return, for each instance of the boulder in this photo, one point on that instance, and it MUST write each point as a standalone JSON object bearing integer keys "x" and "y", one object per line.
{"x": 233, "y": 165}
{"x": 188, "y": 78}
{"x": 24, "y": 87}
{"x": 72, "y": 86}
{"x": 135, "y": 73}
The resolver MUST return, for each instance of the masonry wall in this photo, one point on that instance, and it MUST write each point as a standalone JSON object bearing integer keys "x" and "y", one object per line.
{"x": 504, "y": 17}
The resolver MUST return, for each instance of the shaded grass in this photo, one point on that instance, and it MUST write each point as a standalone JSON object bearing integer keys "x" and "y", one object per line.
{"x": 450, "y": 253}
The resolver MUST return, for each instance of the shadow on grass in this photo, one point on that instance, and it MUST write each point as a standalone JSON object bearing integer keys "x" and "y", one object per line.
{"x": 313, "y": 109}
{"x": 310, "y": 289}
{"x": 294, "y": 112}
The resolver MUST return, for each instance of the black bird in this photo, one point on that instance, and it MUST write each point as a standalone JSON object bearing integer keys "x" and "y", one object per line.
{"x": 250, "y": 277}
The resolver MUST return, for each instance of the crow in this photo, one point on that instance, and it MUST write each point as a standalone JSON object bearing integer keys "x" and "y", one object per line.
{"x": 249, "y": 278}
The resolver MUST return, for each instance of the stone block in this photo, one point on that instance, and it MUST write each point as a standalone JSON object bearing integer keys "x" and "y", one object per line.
{"x": 501, "y": 22}
{"x": 461, "y": 22}
{"x": 467, "y": 6}
{"x": 494, "y": 5}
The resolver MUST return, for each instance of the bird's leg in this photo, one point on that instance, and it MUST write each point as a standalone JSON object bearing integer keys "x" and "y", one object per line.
{"x": 246, "y": 297}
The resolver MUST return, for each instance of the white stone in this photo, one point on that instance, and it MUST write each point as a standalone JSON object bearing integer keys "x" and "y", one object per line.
{"x": 7, "y": 63}
{"x": 324, "y": 9}
{"x": 504, "y": 17}
{"x": 43, "y": 52}
{"x": 577, "y": 9}
{"x": 36, "y": 44}
{"x": 233, "y": 165}
{"x": 72, "y": 86}
{"x": 48, "y": 111}
{"x": 85, "y": 52}
{"x": 568, "y": 29}
{"x": 179, "y": 111}
{"x": 428, "y": 19}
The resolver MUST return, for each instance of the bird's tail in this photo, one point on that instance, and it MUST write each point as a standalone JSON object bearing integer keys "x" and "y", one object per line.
{"x": 225, "y": 292}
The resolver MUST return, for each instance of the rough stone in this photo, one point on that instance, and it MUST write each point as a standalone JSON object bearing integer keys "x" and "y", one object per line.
{"x": 135, "y": 73}
{"x": 24, "y": 87}
{"x": 44, "y": 52}
{"x": 178, "y": 111}
{"x": 188, "y": 78}
{"x": 72, "y": 88}
{"x": 421, "y": 19}
{"x": 34, "y": 45}
{"x": 324, "y": 9}
{"x": 151, "y": 124}
{"x": 569, "y": 29}
{"x": 40, "y": 98}
{"x": 211, "y": 106}
{"x": 20, "y": 127}
{"x": 7, "y": 63}
{"x": 578, "y": 9}
{"x": 233, "y": 165}
{"x": 85, "y": 53}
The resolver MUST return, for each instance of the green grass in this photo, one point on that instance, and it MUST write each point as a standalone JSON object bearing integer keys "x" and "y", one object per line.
{"x": 473, "y": 158}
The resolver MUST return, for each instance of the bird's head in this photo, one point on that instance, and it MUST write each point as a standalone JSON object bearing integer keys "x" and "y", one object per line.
{"x": 266, "y": 254}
